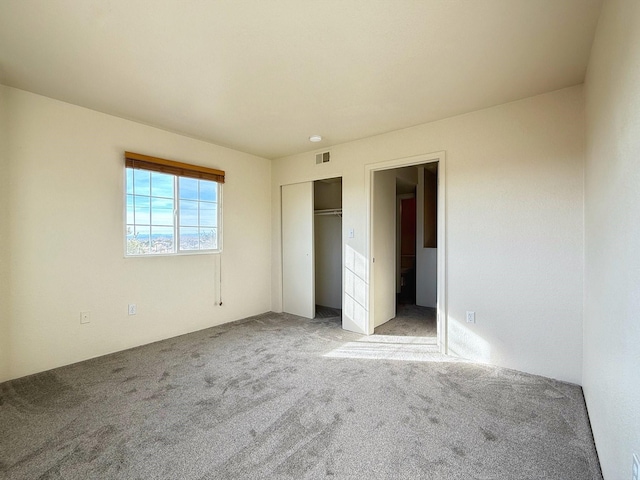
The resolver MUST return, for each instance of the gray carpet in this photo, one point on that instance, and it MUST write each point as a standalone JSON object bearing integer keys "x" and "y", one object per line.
{"x": 410, "y": 320}
{"x": 280, "y": 397}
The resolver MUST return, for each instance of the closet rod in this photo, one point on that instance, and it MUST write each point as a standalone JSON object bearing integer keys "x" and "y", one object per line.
{"x": 329, "y": 211}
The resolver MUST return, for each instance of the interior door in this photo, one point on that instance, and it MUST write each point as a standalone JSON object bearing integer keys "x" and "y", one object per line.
{"x": 298, "y": 275}
{"x": 384, "y": 246}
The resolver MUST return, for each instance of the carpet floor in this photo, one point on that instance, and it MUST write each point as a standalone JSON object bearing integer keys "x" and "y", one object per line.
{"x": 410, "y": 320}
{"x": 280, "y": 397}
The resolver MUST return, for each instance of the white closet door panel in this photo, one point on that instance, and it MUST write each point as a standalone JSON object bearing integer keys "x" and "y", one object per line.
{"x": 298, "y": 276}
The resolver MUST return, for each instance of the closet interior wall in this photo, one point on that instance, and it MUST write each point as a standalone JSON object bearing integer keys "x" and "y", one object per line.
{"x": 328, "y": 242}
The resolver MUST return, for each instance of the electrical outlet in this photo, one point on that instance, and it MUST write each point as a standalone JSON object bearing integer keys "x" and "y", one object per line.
{"x": 85, "y": 317}
{"x": 636, "y": 468}
{"x": 471, "y": 317}
{"x": 132, "y": 309}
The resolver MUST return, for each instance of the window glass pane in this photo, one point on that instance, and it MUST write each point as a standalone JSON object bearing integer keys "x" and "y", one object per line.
{"x": 189, "y": 239}
{"x": 208, "y": 239}
{"x": 188, "y": 213}
{"x": 162, "y": 185}
{"x": 161, "y": 239}
{"x": 129, "y": 172}
{"x": 130, "y": 231}
{"x": 129, "y": 209}
{"x": 188, "y": 188}
{"x": 141, "y": 182}
{"x": 138, "y": 241}
{"x": 161, "y": 211}
{"x": 208, "y": 191}
{"x": 142, "y": 210}
{"x": 151, "y": 202}
{"x": 208, "y": 214}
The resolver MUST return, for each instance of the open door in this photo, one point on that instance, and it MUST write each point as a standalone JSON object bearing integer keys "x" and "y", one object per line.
{"x": 384, "y": 246}
{"x": 298, "y": 275}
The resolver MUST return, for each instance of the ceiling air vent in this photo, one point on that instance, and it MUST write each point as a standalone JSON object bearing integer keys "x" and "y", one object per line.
{"x": 322, "y": 157}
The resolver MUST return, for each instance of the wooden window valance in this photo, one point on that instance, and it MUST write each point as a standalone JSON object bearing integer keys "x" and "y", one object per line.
{"x": 145, "y": 162}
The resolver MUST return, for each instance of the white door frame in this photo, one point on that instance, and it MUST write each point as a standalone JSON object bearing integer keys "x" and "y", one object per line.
{"x": 442, "y": 274}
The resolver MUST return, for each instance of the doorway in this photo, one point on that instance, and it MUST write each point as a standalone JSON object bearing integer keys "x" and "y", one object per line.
{"x": 414, "y": 259}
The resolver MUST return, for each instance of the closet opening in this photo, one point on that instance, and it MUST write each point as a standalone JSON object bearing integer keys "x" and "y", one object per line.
{"x": 327, "y": 207}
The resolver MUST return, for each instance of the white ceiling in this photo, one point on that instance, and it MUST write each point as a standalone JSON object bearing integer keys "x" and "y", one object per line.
{"x": 261, "y": 76}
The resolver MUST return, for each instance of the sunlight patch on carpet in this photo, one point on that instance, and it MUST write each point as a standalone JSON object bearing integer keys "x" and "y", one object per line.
{"x": 392, "y": 347}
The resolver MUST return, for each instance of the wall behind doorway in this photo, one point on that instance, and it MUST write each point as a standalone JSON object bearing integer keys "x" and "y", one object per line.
{"x": 427, "y": 236}
{"x": 407, "y": 250}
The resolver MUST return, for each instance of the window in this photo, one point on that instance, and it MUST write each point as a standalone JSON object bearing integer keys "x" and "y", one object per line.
{"x": 171, "y": 207}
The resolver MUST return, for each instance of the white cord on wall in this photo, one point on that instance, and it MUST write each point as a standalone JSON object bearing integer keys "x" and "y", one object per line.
{"x": 220, "y": 279}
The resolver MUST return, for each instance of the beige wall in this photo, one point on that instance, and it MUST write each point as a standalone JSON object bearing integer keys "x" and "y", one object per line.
{"x": 67, "y": 248}
{"x": 4, "y": 237}
{"x": 612, "y": 231}
{"x": 514, "y": 224}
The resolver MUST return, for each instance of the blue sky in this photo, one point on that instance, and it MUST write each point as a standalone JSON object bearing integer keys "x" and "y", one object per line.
{"x": 150, "y": 201}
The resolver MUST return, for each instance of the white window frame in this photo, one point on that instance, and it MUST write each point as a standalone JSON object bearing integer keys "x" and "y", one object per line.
{"x": 176, "y": 220}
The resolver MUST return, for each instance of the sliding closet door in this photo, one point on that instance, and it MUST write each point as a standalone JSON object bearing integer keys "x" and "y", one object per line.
{"x": 298, "y": 275}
